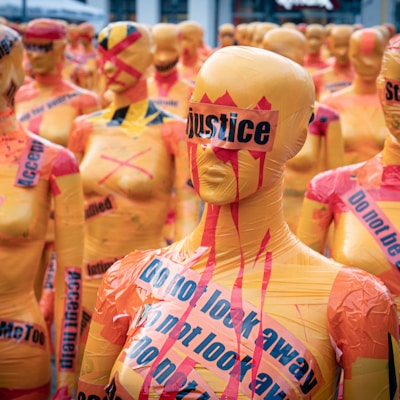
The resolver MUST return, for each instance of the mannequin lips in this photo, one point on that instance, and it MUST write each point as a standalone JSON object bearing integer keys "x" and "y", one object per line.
{"x": 215, "y": 173}
{"x": 166, "y": 67}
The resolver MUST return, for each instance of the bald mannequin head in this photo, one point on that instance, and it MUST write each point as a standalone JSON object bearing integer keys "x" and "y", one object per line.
{"x": 126, "y": 51}
{"x": 166, "y": 47}
{"x": 314, "y": 34}
{"x": 191, "y": 36}
{"x": 366, "y": 49}
{"x": 11, "y": 70}
{"x": 286, "y": 42}
{"x": 267, "y": 102}
{"x": 339, "y": 40}
{"x": 226, "y": 34}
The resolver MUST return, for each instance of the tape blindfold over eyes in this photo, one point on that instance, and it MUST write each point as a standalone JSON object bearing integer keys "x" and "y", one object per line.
{"x": 39, "y": 48}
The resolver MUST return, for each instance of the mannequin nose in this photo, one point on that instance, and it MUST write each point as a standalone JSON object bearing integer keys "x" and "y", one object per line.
{"x": 109, "y": 68}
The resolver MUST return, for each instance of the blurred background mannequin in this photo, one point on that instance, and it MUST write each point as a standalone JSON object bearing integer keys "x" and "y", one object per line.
{"x": 167, "y": 89}
{"x": 248, "y": 288}
{"x": 240, "y": 34}
{"x": 132, "y": 153}
{"x": 315, "y": 36}
{"x": 49, "y": 97}
{"x": 88, "y": 57}
{"x": 35, "y": 176}
{"x": 260, "y": 30}
{"x": 191, "y": 59}
{"x": 340, "y": 73}
{"x": 47, "y": 106}
{"x": 226, "y": 35}
{"x": 362, "y": 201}
{"x": 323, "y": 147}
{"x": 361, "y": 115}
{"x": 74, "y": 47}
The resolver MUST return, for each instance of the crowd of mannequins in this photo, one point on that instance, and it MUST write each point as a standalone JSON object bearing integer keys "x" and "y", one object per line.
{"x": 181, "y": 221}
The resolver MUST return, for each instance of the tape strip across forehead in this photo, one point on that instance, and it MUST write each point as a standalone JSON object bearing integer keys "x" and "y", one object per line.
{"x": 367, "y": 41}
{"x": 46, "y": 31}
{"x": 231, "y": 128}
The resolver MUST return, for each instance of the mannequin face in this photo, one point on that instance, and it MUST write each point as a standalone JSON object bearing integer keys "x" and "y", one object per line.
{"x": 126, "y": 51}
{"x": 240, "y": 34}
{"x": 389, "y": 86}
{"x": 191, "y": 36}
{"x": 166, "y": 47}
{"x": 264, "y": 125}
{"x": 339, "y": 40}
{"x": 226, "y": 35}
{"x": 11, "y": 70}
{"x": 86, "y": 33}
{"x": 44, "y": 43}
{"x": 365, "y": 53}
{"x": 315, "y": 38}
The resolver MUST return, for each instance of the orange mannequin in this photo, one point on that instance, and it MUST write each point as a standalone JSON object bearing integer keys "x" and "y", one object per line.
{"x": 313, "y": 60}
{"x": 240, "y": 34}
{"x": 36, "y": 176}
{"x": 166, "y": 88}
{"x": 226, "y": 35}
{"x": 88, "y": 56}
{"x": 362, "y": 237}
{"x": 241, "y": 308}
{"x": 191, "y": 59}
{"x": 132, "y": 153}
{"x": 40, "y": 106}
{"x": 340, "y": 73}
{"x": 361, "y": 116}
{"x": 323, "y": 148}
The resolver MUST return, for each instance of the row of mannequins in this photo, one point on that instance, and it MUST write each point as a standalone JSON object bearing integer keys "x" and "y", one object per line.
{"x": 185, "y": 222}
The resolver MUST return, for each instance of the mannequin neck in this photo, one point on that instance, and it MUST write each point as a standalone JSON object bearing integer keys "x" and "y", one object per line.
{"x": 189, "y": 59}
{"x": 51, "y": 78}
{"x": 241, "y": 227}
{"x": 364, "y": 86}
{"x": 341, "y": 67}
{"x": 166, "y": 77}
{"x": 131, "y": 95}
{"x": 314, "y": 56}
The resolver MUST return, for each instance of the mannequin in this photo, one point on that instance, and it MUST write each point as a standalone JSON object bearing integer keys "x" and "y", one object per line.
{"x": 226, "y": 35}
{"x": 361, "y": 116}
{"x": 341, "y": 73}
{"x": 323, "y": 148}
{"x": 131, "y": 155}
{"x": 49, "y": 96}
{"x": 327, "y": 203}
{"x": 74, "y": 46}
{"x": 248, "y": 287}
{"x": 166, "y": 88}
{"x": 40, "y": 106}
{"x": 286, "y": 42}
{"x": 240, "y": 34}
{"x": 191, "y": 59}
{"x": 35, "y": 175}
{"x": 88, "y": 56}
{"x": 315, "y": 39}
{"x": 260, "y": 30}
